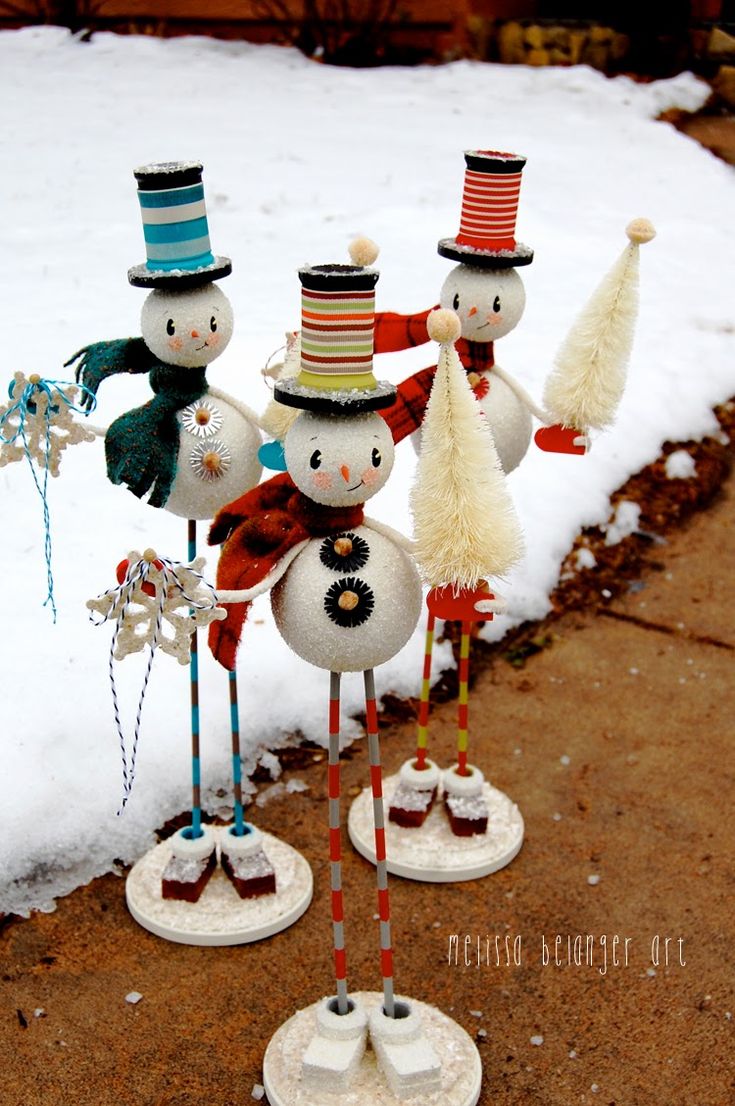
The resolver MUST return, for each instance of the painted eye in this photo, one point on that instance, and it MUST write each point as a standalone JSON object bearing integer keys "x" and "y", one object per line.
{"x": 316, "y": 459}
{"x": 376, "y": 458}
{"x": 455, "y": 301}
{"x": 496, "y": 304}
{"x": 170, "y": 328}
{"x": 213, "y": 324}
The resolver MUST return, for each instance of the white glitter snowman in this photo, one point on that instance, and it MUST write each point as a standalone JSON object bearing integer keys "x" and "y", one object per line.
{"x": 486, "y": 292}
{"x": 190, "y": 450}
{"x": 346, "y": 597}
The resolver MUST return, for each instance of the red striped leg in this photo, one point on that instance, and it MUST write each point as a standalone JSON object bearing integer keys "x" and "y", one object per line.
{"x": 463, "y": 708}
{"x": 376, "y": 781}
{"x": 335, "y": 847}
{"x": 423, "y": 726}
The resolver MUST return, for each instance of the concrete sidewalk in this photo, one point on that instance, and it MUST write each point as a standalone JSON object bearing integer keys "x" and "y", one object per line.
{"x": 616, "y": 743}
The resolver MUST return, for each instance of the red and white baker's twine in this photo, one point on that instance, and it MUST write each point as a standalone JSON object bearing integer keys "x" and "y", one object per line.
{"x": 135, "y": 577}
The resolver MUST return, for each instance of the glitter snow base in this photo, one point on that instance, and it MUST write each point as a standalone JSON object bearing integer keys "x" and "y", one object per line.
{"x": 220, "y": 917}
{"x": 432, "y": 853}
{"x": 460, "y": 1061}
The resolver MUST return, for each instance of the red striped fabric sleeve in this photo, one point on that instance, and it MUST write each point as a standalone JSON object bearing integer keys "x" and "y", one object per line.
{"x": 394, "y": 332}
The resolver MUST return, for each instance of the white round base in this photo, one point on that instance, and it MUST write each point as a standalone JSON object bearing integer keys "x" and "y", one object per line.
{"x": 220, "y": 917}
{"x": 460, "y": 1061}
{"x": 432, "y": 853}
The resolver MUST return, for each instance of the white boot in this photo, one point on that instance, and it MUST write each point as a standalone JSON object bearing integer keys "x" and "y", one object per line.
{"x": 405, "y": 1056}
{"x": 465, "y": 802}
{"x": 334, "y": 1053}
{"x": 414, "y": 797}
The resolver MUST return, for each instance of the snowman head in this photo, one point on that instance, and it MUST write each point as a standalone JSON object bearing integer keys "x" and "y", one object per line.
{"x": 188, "y": 328}
{"x": 339, "y": 460}
{"x": 489, "y": 302}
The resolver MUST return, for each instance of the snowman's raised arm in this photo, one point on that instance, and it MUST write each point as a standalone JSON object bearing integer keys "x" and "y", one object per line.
{"x": 395, "y": 536}
{"x": 522, "y": 394}
{"x": 244, "y": 410}
{"x": 246, "y": 595}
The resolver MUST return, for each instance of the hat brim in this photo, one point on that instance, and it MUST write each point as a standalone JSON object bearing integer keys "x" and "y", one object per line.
{"x": 338, "y": 401}
{"x": 143, "y": 277}
{"x": 485, "y": 259}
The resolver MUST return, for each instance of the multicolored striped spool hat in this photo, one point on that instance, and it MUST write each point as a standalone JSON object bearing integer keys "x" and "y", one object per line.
{"x": 176, "y": 230}
{"x": 337, "y": 328}
{"x": 486, "y": 239}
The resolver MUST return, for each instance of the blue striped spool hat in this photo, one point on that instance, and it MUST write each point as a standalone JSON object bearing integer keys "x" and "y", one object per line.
{"x": 175, "y": 227}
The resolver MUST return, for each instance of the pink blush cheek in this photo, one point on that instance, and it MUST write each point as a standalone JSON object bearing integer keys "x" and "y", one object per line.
{"x": 495, "y": 320}
{"x": 322, "y": 480}
{"x": 175, "y": 344}
{"x": 213, "y": 340}
{"x": 370, "y": 477}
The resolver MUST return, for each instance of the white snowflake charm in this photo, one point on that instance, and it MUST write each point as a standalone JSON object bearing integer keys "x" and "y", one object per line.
{"x": 150, "y": 593}
{"x": 155, "y": 593}
{"x": 38, "y": 422}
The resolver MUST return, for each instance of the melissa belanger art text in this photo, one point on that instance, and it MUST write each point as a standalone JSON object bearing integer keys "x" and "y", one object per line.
{"x": 559, "y": 950}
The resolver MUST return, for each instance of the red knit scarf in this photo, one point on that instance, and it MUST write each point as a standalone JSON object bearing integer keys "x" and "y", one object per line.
{"x": 255, "y": 532}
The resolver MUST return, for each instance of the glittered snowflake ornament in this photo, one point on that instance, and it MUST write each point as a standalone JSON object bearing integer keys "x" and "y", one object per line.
{"x": 38, "y": 422}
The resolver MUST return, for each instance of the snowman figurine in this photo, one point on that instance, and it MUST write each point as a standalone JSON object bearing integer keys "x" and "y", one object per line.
{"x": 189, "y": 450}
{"x": 192, "y": 448}
{"x": 346, "y": 597}
{"x": 486, "y": 292}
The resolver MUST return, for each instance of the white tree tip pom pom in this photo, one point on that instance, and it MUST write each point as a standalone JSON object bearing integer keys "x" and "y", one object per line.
{"x": 444, "y": 325}
{"x": 363, "y": 251}
{"x": 640, "y": 231}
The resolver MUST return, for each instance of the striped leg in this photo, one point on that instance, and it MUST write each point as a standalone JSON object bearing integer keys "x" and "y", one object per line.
{"x": 423, "y": 736}
{"x": 463, "y": 708}
{"x": 335, "y": 847}
{"x": 196, "y": 774}
{"x": 376, "y": 781}
{"x": 236, "y": 761}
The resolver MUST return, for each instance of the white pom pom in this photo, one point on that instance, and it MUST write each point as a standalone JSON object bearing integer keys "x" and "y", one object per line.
{"x": 443, "y": 325}
{"x": 363, "y": 251}
{"x": 640, "y": 231}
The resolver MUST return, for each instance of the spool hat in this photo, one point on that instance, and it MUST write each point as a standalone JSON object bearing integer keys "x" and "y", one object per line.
{"x": 337, "y": 330}
{"x": 175, "y": 228}
{"x": 486, "y": 238}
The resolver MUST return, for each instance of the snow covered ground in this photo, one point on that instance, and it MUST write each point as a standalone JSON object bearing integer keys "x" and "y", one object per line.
{"x": 299, "y": 158}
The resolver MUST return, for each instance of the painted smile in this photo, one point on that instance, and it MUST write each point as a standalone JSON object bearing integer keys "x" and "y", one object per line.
{"x": 198, "y": 348}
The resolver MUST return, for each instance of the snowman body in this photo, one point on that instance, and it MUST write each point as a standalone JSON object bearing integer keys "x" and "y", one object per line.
{"x": 510, "y": 419}
{"x": 350, "y": 601}
{"x": 219, "y": 439}
{"x": 369, "y": 626}
{"x": 217, "y": 459}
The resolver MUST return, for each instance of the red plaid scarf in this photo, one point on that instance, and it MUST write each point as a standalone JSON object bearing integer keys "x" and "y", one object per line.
{"x": 395, "y": 332}
{"x": 255, "y": 532}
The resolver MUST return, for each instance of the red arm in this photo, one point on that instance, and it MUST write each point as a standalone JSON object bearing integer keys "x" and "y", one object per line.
{"x": 394, "y": 332}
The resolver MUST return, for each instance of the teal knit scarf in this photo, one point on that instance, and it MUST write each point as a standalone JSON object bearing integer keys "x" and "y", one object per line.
{"x": 142, "y": 446}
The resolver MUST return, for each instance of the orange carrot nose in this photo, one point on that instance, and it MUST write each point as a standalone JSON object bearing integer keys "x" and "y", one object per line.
{"x": 195, "y": 333}
{"x": 472, "y": 311}
{"x": 345, "y": 473}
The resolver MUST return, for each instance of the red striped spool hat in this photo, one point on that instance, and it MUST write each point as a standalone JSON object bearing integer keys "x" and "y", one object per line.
{"x": 337, "y": 330}
{"x": 486, "y": 239}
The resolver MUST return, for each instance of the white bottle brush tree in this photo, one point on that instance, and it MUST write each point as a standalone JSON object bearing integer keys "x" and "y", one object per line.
{"x": 465, "y": 525}
{"x": 586, "y": 385}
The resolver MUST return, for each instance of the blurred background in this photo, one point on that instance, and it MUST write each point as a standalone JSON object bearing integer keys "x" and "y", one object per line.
{"x": 651, "y": 39}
